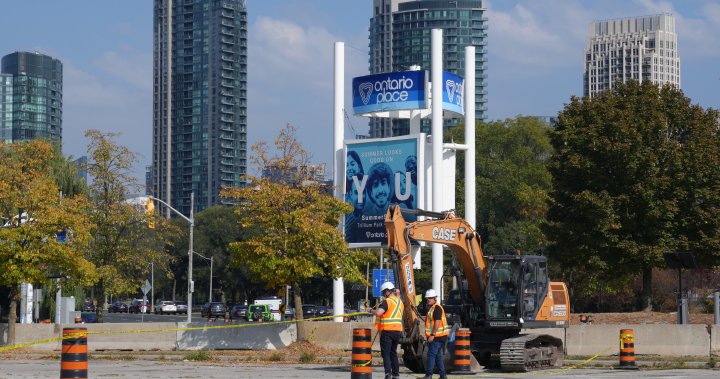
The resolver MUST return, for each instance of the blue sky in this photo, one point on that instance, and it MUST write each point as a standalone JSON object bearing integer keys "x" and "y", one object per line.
{"x": 534, "y": 63}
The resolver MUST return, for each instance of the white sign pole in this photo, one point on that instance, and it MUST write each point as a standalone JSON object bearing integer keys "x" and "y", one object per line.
{"x": 339, "y": 161}
{"x": 469, "y": 105}
{"x": 437, "y": 141}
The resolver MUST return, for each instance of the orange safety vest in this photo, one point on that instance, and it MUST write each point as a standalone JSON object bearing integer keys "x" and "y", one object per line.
{"x": 443, "y": 329}
{"x": 391, "y": 320}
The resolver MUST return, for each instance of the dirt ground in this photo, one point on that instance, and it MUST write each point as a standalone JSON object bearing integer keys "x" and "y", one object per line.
{"x": 641, "y": 318}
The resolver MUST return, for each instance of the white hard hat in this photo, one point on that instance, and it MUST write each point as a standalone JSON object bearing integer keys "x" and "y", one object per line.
{"x": 387, "y": 286}
{"x": 430, "y": 293}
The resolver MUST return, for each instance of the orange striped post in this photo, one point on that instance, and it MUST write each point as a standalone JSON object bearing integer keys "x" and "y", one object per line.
{"x": 74, "y": 358}
{"x": 627, "y": 349}
{"x": 361, "y": 354}
{"x": 461, "y": 357}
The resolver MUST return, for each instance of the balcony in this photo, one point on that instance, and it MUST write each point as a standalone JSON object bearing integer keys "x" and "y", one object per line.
{"x": 226, "y": 58}
{"x": 227, "y": 110}
{"x": 227, "y": 84}
{"x": 226, "y": 76}
{"x": 226, "y": 145}
{"x": 225, "y": 127}
{"x": 227, "y": 5}
{"x": 228, "y": 67}
{"x": 228, "y": 41}
{"x": 227, "y": 136}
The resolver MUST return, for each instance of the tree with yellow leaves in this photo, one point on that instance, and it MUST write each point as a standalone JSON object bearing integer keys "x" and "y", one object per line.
{"x": 33, "y": 213}
{"x": 122, "y": 246}
{"x": 292, "y": 222}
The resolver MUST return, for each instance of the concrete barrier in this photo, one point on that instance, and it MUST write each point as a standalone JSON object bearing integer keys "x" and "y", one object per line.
{"x": 335, "y": 335}
{"x": 584, "y": 340}
{"x": 131, "y": 336}
{"x": 650, "y": 339}
{"x": 265, "y": 336}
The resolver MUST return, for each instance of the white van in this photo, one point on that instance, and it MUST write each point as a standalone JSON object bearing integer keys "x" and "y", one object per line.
{"x": 274, "y": 303}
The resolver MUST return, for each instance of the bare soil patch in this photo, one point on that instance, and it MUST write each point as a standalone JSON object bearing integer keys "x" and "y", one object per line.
{"x": 641, "y": 318}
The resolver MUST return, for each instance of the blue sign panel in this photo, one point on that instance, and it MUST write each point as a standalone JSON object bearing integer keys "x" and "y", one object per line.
{"x": 378, "y": 173}
{"x": 453, "y": 92}
{"x": 391, "y": 91}
{"x": 379, "y": 277}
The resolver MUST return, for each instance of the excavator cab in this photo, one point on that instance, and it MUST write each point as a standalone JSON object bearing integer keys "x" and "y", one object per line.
{"x": 517, "y": 285}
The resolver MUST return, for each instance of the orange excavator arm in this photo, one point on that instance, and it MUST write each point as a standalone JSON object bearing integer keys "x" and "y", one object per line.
{"x": 444, "y": 228}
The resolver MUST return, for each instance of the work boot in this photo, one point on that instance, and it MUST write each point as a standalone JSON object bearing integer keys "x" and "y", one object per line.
{"x": 388, "y": 376}
{"x": 427, "y": 377}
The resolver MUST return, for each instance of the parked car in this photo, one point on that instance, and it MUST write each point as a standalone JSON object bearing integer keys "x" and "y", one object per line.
{"x": 259, "y": 312}
{"x": 88, "y": 306}
{"x": 324, "y": 311}
{"x": 238, "y": 312}
{"x": 139, "y": 306}
{"x": 88, "y": 317}
{"x": 214, "y": 309}
{"x": 165, "y": 306}
{"x": 289, "y": 313}
{"x": 309, "y": 311}
{"x": 181, "y": 307}
{"x": 118, "y": 307}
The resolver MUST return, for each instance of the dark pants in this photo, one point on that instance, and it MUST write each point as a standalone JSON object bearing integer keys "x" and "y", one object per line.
{"x": 434, "y": 356}
{"x": 388, "y": 348}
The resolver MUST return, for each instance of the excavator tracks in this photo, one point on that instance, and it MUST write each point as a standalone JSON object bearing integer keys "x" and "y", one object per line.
{"x": 531, "y": 352}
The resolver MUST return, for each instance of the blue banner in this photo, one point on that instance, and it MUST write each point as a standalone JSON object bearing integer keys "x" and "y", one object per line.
{"x": 378, "y": 173}
{"x": 391, "y": 91}
{"x": 453, "y": 92}
{"x": 379, "y": 277}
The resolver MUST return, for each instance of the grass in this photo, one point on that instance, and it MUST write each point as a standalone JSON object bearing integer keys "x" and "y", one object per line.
{"x": 276, "y": 357}
{"x": 307, "y": 357}
{"x": 200, "y": 355}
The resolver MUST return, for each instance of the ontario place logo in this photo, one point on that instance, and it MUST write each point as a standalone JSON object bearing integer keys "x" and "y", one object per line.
{"x": 455, "y": 91}
{"x": 386, "y": 91}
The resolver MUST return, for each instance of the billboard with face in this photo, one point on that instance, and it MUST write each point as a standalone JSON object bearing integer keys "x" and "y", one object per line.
{"x": 378, "y": 173}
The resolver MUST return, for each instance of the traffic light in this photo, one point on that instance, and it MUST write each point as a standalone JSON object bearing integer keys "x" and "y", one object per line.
{"x": 150, "y": 211}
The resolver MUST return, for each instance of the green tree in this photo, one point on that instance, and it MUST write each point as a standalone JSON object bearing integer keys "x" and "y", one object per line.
{"x": 635, "y": 175}
{"x": 122, "y": 246}
{"x": 33, "y": 213}
{"x": 512, "y": 183}
{"x": 292, "y": 223}
{"x": 65, "y": 172}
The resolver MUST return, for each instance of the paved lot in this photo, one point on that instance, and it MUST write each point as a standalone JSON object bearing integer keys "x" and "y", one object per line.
{"x": 27, "y": 369}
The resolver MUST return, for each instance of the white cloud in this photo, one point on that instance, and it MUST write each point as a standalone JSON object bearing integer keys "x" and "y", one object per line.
{"x": 128, "y": 65}
{"x": 291, "y": 80}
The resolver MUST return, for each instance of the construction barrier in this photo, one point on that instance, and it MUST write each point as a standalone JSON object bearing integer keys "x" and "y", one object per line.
{"x": 361, "y": 354}
{"x": 627, "y": 349}
{"x": 461, "y": 362}
{"x": 74, "y": 358}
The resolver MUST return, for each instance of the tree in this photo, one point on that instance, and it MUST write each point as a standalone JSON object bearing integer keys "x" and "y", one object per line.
{"x": 65, "y": 172}
{"x": 33, "y": 214}
{"x": 292, "y": 224}
{"x": 512, "y": 181}
{"x": 122, "y": 247}
{"x": 635, "y": 175}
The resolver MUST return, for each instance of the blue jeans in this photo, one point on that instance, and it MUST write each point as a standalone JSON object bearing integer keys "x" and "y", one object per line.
{"x": 388, "y": 348}
{"x": 434, "y": 357}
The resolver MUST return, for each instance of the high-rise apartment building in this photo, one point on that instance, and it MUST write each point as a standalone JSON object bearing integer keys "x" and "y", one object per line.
{"x": 200, "y": 100}
{"x": 30, "y": 97}
{"x": 400, "y": 37}
{"x": 638, "y": 48}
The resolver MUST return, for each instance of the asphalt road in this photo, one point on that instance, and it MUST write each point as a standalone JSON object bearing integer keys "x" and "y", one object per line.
{"x": 150, "y": 317}
{"x": 39, "y": 369}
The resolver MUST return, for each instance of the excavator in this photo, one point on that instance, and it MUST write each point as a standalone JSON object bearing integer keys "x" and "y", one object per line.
{"x": 496, "y": 296}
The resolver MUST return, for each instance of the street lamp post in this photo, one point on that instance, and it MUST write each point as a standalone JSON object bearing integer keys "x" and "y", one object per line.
{"x": 211, "y": 271}
{"x": 190, "y": 248}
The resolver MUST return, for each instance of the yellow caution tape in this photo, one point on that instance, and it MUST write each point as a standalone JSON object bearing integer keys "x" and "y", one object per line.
{"x": 75, "y": 335}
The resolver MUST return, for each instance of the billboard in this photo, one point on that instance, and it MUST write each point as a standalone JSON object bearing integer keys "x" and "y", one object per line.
{"x": 390, "y": 91}
{"x": 453, "y": 86}
{"x": 378, "y": 173}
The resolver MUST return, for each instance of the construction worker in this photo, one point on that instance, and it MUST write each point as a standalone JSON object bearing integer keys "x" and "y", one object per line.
{"x": 388, "y": 322}
{"x": 436, "y": 332}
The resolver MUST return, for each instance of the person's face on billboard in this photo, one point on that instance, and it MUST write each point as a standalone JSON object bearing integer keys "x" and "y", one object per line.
{"x": 380, "y": 192}
{"x": 352, "y": 168}
{"x": 411, "y": 167}
{"x": 352, "y": 197}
